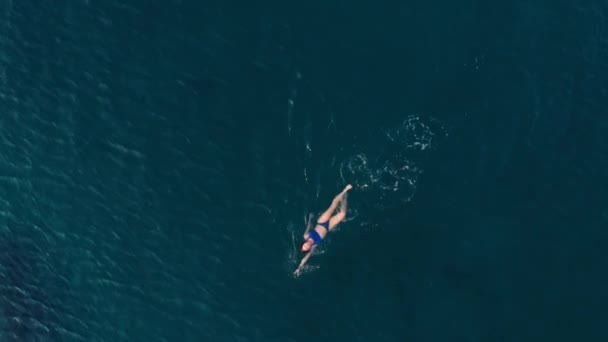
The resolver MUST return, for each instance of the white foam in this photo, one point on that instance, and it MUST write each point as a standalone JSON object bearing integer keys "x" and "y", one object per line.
{"x": 393, "y": 166}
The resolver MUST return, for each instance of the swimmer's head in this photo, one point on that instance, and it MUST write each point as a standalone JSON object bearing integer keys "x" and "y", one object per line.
{"x": 306, "y": 246}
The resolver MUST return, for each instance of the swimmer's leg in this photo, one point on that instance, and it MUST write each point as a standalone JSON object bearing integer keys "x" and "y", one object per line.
{"x": 336, "y": 219}
{"x": 334, "y": 204}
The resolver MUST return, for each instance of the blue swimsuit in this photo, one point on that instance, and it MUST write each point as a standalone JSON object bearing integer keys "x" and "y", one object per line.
{"x": 315, "y": 236}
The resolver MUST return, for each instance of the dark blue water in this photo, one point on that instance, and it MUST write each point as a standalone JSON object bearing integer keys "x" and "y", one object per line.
{"x": 158, "y": 161}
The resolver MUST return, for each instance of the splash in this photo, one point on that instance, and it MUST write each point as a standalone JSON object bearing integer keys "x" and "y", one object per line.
{"x": 391, "y": 170}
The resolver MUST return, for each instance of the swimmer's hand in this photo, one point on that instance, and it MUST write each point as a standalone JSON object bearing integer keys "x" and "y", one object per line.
{"x": 298, "y": 271}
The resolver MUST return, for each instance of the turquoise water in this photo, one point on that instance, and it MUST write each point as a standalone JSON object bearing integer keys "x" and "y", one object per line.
{"x": 158, "y": 161}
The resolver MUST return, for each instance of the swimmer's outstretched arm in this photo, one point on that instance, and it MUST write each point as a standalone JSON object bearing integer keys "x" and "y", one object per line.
{"x": 304, "y": 260}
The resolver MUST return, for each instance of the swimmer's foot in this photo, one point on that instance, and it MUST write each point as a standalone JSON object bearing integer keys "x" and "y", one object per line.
{"x": 348, "y": 187}
{"x": 343, "y": 193}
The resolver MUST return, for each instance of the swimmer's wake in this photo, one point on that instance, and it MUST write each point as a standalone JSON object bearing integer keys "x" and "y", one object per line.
{"x": 391, "y": 171}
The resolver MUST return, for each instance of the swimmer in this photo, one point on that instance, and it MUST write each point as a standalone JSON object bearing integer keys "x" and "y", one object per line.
{"x": 326, "y": 222}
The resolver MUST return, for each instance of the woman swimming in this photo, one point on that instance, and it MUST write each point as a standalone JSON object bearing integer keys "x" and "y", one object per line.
{"x": 326, "y": 222}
